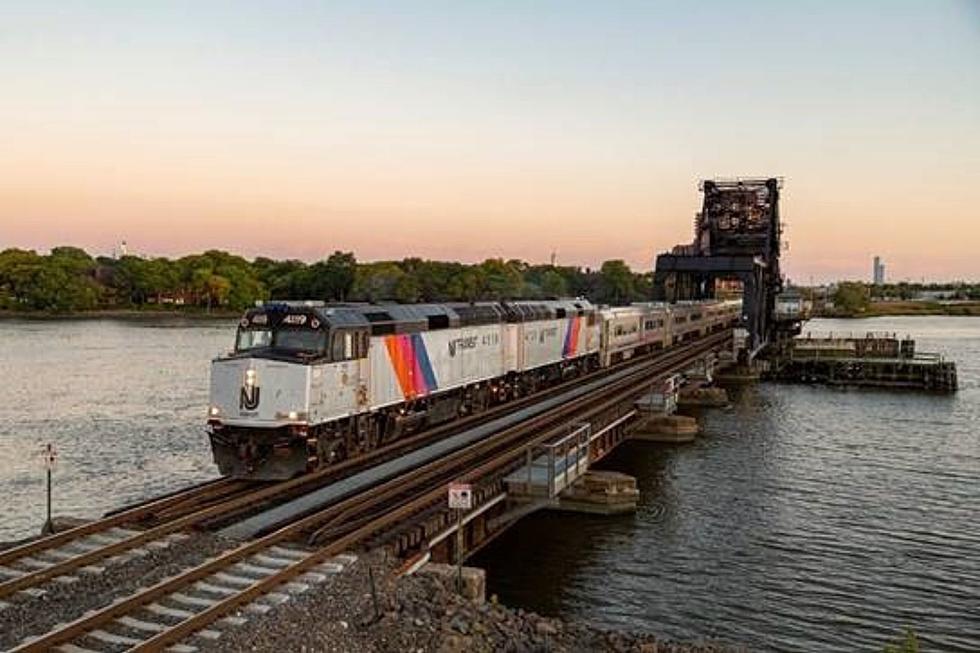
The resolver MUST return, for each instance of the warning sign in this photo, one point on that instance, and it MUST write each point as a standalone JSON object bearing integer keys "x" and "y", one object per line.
{"x": 460, "y": 496}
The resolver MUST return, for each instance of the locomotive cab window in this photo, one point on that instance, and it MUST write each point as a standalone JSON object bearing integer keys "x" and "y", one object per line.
{"x": 348, "y": 345}
{"x": 301, "y": 340}
{"x": 438, "y": 322}
{"x": 337, "y": 346}
{"x": 253, "y": 339}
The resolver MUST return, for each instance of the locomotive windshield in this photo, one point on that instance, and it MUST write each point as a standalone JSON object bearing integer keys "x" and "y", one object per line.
{"x": 292, "y": 341}
{"x": 253, "y": 339}
{"x": 300, "y": 340}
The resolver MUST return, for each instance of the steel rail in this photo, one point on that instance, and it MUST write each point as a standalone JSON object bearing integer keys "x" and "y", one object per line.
{"x": 128, "y": 516}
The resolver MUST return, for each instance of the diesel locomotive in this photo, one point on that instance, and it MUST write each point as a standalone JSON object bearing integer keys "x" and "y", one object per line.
{"x": 311, "y": 384}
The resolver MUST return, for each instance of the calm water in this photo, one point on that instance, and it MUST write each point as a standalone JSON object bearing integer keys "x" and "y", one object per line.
{"x": 124, "y": 403}
{"x": 806, "y": 519}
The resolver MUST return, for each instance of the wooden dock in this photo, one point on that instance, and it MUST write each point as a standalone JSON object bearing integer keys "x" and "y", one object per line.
{"x": 875, "y": 360}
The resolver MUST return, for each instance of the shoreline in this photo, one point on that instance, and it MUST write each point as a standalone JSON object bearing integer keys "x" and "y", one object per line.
{"x": 134, "y": 315}
{"x": 137, "y": 315}
{"x": 870, "y": 314}
{"x": 906, "y": 308}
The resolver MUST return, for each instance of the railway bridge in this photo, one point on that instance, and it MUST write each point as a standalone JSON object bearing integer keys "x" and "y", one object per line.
{"x": 531, "y": 454}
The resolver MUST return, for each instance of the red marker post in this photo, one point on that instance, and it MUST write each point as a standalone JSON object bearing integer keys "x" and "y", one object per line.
{"x": 50, "y": 456}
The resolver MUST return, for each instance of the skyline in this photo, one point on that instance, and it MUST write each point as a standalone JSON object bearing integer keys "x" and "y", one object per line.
{"x": 465, "y": 133}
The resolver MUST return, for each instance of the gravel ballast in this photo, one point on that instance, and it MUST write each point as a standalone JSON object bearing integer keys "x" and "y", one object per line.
{"x": 418, "y": 613}
{"x": 26, "y": 615}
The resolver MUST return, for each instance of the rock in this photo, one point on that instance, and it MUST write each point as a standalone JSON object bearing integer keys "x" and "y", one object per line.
{"x": 460, "y": 624}
{"x": 545, "y": 628}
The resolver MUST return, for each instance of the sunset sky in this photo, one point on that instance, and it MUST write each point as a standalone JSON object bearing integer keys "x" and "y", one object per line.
{"x": 455, "y": 130}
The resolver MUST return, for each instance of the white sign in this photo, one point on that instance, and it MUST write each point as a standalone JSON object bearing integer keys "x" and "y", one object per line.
{"x": 49, "y": 455}
{"x": 460, "y": 496}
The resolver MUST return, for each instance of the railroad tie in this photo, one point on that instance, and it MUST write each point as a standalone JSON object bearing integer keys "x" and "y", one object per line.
{"x": 112, "y": 638}
{"x": 166, "y": 611}
{"x": 60, "y": 553}
{"x": 208, "y": 633}
{"x": 254, "y": 570}
{"x": 34, "y": 563}
{"x": 72, "y": 648}
{"x": 214, "y": 589}
{"x": 272, "y": 561}
{"x": 286, "y": 552}
{"x": 139, "y": 624}
{"x": 234, "y": 620}
{"x": 182, "y": 648}
{"x": 10, "y": 572}
{"x": 231, "y": 579}
{"x": 196, "y": 601}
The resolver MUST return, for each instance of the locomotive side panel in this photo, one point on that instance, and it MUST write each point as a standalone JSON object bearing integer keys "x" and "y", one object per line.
{"x": 335, "y": 391}
{"x": 412, "y": 365}
{"x": 468, "y": 355}
{"x": 542, "y": 342}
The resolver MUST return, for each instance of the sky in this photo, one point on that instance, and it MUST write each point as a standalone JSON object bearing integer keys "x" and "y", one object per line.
{"x": 468, "y": 130}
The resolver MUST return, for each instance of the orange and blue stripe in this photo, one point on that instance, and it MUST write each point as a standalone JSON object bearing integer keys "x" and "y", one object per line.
{"x": 571, "y": 337}
{"x": 410, "y": 360}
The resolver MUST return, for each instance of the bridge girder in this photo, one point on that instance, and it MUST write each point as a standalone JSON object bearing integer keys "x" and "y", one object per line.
{"x": 737, "y": 236}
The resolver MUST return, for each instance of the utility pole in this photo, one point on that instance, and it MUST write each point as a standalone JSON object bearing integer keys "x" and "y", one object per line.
{"x": 50, "y": 456}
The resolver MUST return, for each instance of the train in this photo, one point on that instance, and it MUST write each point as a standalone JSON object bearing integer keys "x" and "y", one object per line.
{"x": 310, "y": 384}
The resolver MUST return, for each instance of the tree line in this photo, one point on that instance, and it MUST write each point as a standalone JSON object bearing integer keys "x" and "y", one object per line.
{"x": 856, "y": 297}
{"x": 68, "y": 279}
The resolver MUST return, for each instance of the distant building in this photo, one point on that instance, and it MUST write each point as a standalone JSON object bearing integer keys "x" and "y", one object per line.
{"x": 878, "y": 271}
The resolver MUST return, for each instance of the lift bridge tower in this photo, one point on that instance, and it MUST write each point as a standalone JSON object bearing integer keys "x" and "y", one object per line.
{"x": 736, "y": 237}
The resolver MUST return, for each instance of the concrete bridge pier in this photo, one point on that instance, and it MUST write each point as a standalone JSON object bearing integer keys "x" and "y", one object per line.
{"x": 656, "y": 421}
{"x": 699, "y": 391}
{"x": 599, "y": 492}
{"x": 741, "y": 373}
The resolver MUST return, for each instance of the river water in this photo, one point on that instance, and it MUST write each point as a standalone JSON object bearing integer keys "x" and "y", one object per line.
{"x": 804, "y": 519}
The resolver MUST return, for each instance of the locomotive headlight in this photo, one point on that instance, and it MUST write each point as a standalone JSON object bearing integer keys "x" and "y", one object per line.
{"x": 215, "y": 411}
{"x": 293, "y": 415}
{"x": 250, "y": 378}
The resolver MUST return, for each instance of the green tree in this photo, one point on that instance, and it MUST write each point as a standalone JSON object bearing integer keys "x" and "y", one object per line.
{"x": 553, "y": 284}
{"x": 376, "y": 281}
{"x": 331, "y": 279}
{"x": 501, "y": 279}
{"x": 616, "y": 282}
{"x": 852, "y": 297}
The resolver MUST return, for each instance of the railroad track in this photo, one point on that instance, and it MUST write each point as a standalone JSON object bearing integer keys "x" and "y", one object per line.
{"x": 254, "y": 574}
{"x": 57, "y": 556}
{"x": 122, "y": 535}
